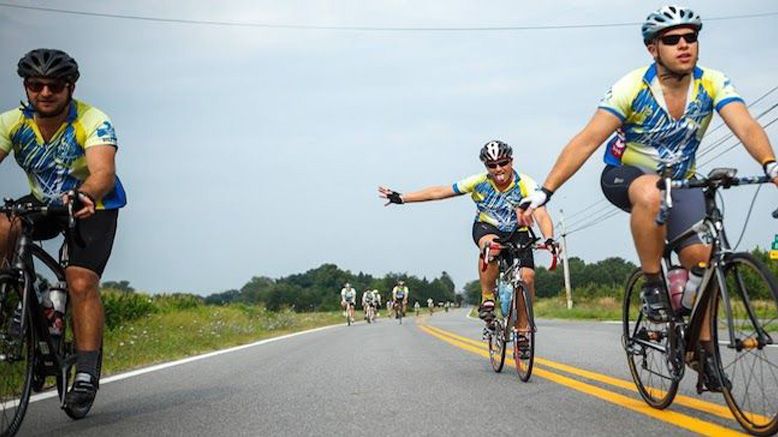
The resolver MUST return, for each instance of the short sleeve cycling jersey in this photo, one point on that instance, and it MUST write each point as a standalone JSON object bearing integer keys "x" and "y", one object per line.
{"x": 400, "y": 292}
{"x": 348, "y": 294}
{"x": 495, "y": 207}
{"x": 649, "y": 134}
{"x": 58, "y": 165}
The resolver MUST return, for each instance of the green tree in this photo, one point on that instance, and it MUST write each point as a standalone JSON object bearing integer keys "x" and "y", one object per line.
{"x": 123, "y": 286}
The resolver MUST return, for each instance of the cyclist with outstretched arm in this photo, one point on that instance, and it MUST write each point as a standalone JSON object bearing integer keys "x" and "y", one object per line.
{"x": 660, "y": 113}
{"x": 497, "y": 193}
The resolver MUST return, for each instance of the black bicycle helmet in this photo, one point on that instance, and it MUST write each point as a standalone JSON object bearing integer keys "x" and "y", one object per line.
{"x": 495, "y": 150}
{"x": 49, "y": 63}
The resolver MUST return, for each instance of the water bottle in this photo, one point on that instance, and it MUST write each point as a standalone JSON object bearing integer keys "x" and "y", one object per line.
{"x": 677, "y": 279}
{"x": 690, "y": 291}
{"x": 506, "y": 294}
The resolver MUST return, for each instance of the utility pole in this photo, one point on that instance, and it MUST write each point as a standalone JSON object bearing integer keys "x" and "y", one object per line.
{"x": 565, "y": 265}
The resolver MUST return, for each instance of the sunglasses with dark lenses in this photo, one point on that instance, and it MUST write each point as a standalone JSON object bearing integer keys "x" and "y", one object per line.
{"x": 671, "y": 40}
{"x": 37, "y": 86}
{"x": 496, "y": 164}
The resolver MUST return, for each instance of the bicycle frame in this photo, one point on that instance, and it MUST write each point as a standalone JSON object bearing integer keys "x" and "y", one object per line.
{"x": 53, "y": 354}
{"x": 711, "y": 227}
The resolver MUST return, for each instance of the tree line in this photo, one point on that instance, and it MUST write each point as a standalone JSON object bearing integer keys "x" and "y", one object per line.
{"x": 319, "y": 289}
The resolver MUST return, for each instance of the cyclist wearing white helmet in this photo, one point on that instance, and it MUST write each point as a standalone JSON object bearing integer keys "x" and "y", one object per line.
{"x": 348, "y": 299}
{"x": 661, "y": 112}
{"x": 65, "y": 144}
{"x": 497, "y": 193}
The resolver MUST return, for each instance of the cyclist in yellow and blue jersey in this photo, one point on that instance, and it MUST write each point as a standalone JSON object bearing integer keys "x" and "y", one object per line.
{"x": 497, "y": 193}
{"x": 64, "y": 144}
{"x": 660, "y": 113}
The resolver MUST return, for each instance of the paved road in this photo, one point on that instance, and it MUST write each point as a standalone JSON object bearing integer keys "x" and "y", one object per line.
{"x": 425, "y": 377}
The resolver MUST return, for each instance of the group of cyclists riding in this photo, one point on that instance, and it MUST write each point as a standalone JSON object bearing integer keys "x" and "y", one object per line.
{"x": 371, "y": 300}
{"x": 660, "y": 113}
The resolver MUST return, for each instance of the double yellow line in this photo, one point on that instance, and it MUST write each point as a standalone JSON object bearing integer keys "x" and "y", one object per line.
{"x": 632, "y": 403}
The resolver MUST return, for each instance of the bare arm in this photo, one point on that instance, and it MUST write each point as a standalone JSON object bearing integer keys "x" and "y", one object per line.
{"x": 102, "y": 171}
{"x": 749, "y": 132}
{"x": 581, "y": 147}
{"x": 544, "y": 222}
{"x": 429, "y": 193}
{"x": 101, "y": 179}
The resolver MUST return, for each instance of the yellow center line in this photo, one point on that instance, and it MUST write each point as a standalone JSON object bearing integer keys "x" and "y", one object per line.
{"x": 677, "y": 419}
{"x": 686, "y": 401}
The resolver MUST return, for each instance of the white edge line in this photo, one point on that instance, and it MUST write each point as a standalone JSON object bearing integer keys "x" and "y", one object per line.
{"x": 119, "y": 377}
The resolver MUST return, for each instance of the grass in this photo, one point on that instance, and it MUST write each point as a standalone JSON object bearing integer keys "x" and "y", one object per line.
{"x": 178, "y": 334}
{"x": 602, "y": 308}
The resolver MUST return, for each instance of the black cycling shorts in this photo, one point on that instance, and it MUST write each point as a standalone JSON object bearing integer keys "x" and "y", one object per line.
{"x": 90, "y": 244}
{"x": 688, "y": 204}
{"x": 520, "y": 237}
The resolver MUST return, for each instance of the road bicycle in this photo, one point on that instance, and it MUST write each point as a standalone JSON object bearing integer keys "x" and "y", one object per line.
{"x": 29, "y": 352}
{"x": 349, "y": 313}
{"x": 399, "y": 310}
{"x": 370, "y": 313}
{"x": 736, "y": 299}
{"x": 506, "y": 328}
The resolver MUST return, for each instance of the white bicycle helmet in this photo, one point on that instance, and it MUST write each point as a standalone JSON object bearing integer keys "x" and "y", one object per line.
{"x": 667, "y": 17}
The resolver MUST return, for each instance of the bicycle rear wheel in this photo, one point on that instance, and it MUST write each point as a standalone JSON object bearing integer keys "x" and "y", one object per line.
{"x": 750, "y": 362}
{"x": 16, "y": 357}
{"x": 654, "y": 352}
{"x": 523, "y": 340}
{"x": 496, "y": 339}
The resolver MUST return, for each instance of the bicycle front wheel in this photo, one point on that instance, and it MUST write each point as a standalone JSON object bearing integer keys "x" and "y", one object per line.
{"x": 16, "y": 356}
{"x": 748, "y": 360}
{"x": 523, "y": 338}
{"x": 497, "y": 346}
{"x": 650, "y": 349}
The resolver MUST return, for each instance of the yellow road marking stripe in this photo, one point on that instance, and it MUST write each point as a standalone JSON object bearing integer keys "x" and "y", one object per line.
{"x": 678, "y": 419}
{"x": 686, "y": 401}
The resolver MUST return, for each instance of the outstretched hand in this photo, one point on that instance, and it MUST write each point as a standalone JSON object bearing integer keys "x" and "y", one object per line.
{"x": 390, "y": 195}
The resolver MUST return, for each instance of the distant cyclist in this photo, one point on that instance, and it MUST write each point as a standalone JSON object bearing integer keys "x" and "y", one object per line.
{"x": 416, "y": 307}
{"x": 400, "y": 294}
{"x": 377, "y": 297}
{"x": 65, "y": 144}
{"x": 348, "y": 299}
{"x": 430, "y": 305}
{"x": 497, "y": 193}
{"x": 661, "y": 112}
{"x": 368, "y": 300}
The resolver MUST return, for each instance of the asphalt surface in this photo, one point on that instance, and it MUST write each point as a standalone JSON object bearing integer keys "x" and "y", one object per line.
{"x": 383, "y": 379}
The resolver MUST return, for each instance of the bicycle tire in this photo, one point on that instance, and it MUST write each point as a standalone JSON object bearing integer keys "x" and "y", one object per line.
{"x": 655, "y": 373}
{"x": 752, "y": 391}
{"x": 496, "y": 339}
{"x": 17, "y": 352}
{"x": 524, "y": 363}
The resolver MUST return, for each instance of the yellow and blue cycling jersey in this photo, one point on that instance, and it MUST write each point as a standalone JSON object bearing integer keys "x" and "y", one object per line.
{"x": 58, "y": 165}
{"x": 650, "y": 134}
{"x": 495, "y": 207}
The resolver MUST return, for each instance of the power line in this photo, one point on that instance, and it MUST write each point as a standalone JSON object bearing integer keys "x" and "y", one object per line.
{"x": 727, "y": 137}
{"x": 356, "y": 28}
{"x": 591, "y": 212}
{"x": 736, "y": 144}
{"x": 759, "y": 99}
{"x": 599, "y": 220}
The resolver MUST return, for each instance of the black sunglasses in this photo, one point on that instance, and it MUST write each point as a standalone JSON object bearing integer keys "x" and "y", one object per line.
{"x": 496, "y": 164}
{"x": 37, "y": 86}
{"x": 671, "y": 40}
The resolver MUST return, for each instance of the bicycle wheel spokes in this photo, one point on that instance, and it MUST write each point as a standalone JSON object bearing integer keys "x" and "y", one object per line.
{"x": 16, "y": 358}
{"x": 524, "y": 337}
{"x": 749, "y": 362}
{"x": 497, "y": 346}
{"x": 650, "y": 348}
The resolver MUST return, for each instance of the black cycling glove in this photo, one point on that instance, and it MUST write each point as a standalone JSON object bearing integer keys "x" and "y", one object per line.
{"x": 394, "y": 197}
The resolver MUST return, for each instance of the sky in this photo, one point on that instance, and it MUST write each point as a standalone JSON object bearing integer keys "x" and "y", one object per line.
{"x": 249, "y": 151}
